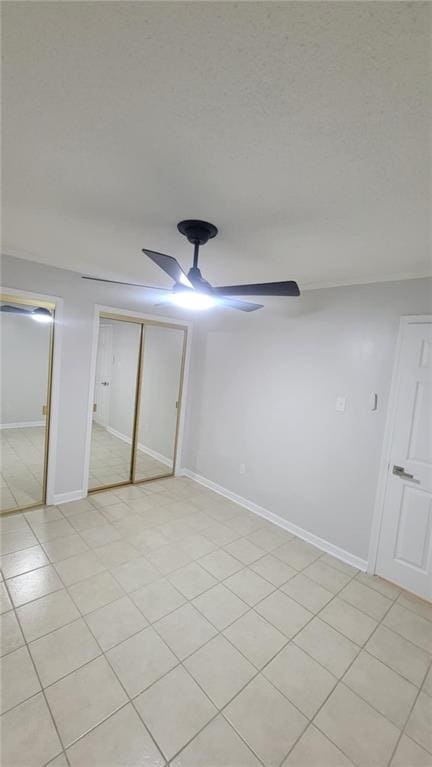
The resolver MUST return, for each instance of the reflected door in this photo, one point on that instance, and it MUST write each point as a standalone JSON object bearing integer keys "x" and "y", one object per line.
{"x": 26, "y": 338}
{"x": 114, "y": 409}
{"x": 103, "y": 376}
{"x": 159, "y": 398}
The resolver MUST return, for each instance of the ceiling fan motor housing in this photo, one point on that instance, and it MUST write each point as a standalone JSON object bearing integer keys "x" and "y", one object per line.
{"x": 197, "y": 231}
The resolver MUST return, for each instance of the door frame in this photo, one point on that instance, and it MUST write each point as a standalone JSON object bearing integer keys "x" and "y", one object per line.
{"x": 55, "y": 303}
{"x": 405, "y": 322}
{"x": 111, "y": 312}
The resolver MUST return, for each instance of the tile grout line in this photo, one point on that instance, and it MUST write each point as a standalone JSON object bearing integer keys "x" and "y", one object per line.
{"x": 103, "y": 654}
{"x": 190, "y": 600}
{"x": 221, "y": 581}
{"x": 259, "y": 671}
{"x": 290, "y": 640}
{"x": 42, "y": 690}
{"x": 402, "y": 731}
{"x": 339, "y": 679}
{"x": 355, "y": 693}
{"x": 129, "y": 700}
{"x": 180, "y": 662}
{"x": 249, "y": 607}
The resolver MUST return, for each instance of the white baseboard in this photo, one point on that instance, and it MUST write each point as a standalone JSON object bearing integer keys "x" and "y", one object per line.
{"x": 305, "y": 535}
{"x": 142, "y": 448}
{"x": 118, "y": 434}
{"x": 21, "y": 424}
{"x": 73, "y": 495}
{"x": 153, "y": 454}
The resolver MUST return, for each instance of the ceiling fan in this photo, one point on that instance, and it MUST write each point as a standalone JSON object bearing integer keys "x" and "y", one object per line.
{"x": 39, "y": 314}
{"x": 192, "y": 291}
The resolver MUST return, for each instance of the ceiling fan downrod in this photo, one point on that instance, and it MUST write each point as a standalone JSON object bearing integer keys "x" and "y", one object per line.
{"x": 195, "y": 255}
{"x": 198, "y": 233}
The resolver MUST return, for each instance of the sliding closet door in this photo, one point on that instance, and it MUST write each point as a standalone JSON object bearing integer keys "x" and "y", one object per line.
{"x": 113, "y": 428}
{"x": 26, "y": 351}
{"x": 159, "y": 401}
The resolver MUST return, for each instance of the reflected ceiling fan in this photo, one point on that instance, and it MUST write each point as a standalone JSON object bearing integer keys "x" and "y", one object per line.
{"x": 40, "y": 314}
{"x": 192, "y": 291}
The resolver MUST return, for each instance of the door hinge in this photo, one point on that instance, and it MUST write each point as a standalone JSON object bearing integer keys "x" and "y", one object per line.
{"x": 44, "y": 409}
{"x": 94, "y": 407}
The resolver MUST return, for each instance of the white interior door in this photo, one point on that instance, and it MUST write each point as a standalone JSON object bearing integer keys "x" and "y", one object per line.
{"x": 405, "y": 545}
{"x": 103, "y": 375}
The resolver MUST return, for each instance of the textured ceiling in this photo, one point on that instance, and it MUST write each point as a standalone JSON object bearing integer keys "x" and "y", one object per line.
{"x": 300, "y": 129}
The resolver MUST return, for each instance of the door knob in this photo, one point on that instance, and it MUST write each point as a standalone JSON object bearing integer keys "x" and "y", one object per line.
{"x": 399, "y": 471}
{"x": 105, "y": 383}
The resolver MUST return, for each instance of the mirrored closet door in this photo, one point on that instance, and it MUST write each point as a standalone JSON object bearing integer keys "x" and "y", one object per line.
{"x": 158, "y": 401}
{"x": 117, "y": 363}
{"x": 26, "y": 343}
{"x": 137, "y": 392}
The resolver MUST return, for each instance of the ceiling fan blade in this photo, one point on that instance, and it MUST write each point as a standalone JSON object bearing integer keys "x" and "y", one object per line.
{"x": 244, "y": 306}
{"x": 287, "y": 288}
{"x": 169, "y": 265}
{"x": 14, "y": 309}
{"x": 131, "y": 284}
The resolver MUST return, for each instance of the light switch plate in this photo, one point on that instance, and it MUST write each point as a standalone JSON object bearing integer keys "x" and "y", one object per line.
{"x": 340, "y": 404}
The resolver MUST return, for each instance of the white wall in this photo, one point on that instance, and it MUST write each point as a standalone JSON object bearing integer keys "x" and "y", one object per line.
{"x": 24, "y": 346}
{"x": 80, "y": 298}
{"x": 263, "y": 390}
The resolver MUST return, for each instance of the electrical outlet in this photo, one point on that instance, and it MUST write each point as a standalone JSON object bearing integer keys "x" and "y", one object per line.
{"x": 242, "y": 468}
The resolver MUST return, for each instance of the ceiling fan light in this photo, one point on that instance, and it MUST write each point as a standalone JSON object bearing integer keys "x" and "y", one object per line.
{"x": 193, "y": 299}
{"x": 183, "y": 280}
{"x": 41, "y": 315}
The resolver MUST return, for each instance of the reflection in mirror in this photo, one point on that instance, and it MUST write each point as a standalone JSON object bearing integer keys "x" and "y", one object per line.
{"x": 159, "y": 401}
{"x": 114, "y": 402}
{"x": 25, "y": 342}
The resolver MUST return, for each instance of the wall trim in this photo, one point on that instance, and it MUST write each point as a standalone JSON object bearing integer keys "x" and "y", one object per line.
{"x": 21, "y": 424}
{"x": 73, "y": 495}
{"x": 371, "y": 279}
{"x": 305, "y": 535}
{"x": 143, "y": 448}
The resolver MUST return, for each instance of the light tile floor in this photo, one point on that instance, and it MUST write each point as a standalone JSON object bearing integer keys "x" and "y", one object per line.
{"x": 22, "y": 465}
{"x": 111, "y": 457}
{"x": 161, "y": 624}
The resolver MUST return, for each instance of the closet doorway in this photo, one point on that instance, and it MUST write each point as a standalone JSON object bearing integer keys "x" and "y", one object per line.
{"x": 26, "y": 343}
{"x": 136, "y": 402}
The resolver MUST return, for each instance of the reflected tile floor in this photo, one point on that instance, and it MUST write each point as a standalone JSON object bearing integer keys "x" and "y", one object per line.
{"x": 164, "y": 625}
{"x": 22, "y": 465}
{"x": 110, "y": 460}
